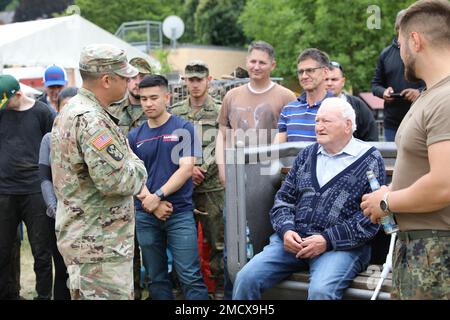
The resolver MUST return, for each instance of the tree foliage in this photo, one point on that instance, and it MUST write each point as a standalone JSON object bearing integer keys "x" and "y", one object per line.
{"x": 206, "y": 21}
{"x": 188, "y": 16}
{"x": 110, "y": 14}
{"x": 339, "y": 28}
{"x": 216, "y": 22}
{"x": 34, "y": 9}
{"x": 4, "y": 4}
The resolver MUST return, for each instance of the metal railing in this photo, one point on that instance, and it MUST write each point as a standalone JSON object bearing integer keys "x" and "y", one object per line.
{"x": 217, "y": 88}
{"x": 249, "y": 195}
{"x": 144, "y": 35}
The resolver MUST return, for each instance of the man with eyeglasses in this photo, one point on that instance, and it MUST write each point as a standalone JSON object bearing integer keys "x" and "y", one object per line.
{"x": 366, "y": 127}
{"x": 297, "y": 119}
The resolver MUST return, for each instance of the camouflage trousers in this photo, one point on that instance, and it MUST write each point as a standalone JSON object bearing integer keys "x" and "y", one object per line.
{"x": 421, "y": 269}
{"x": 137, "y": 270}
{"x": 209, "y": 212}
{"x": 101, "y": 281}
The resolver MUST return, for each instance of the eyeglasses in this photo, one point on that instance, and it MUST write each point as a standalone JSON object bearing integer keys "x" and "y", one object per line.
{"x": 308, "y": 71}
{"x": 335, "y": 64}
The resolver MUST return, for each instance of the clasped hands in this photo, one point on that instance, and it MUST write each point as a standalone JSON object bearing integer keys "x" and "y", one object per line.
{"x": 151, "y": 203}
{"x": 304, "y": 248}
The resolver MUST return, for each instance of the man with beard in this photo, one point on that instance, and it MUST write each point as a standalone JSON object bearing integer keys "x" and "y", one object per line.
{"x": 202, "y": 110}
{"x": 389, "y": 79}
{"x": 420, "y": 191}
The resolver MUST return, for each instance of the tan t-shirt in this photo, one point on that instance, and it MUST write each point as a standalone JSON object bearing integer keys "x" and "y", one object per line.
{"x": 252, "y": 112}
{"x": 426, "y": 123}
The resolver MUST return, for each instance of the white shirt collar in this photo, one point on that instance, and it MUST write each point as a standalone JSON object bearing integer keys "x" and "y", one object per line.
{"x": 352, "y": 148}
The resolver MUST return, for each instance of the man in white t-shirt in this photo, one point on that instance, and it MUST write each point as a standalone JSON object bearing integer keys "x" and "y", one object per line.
{"x": 250, "y": 113}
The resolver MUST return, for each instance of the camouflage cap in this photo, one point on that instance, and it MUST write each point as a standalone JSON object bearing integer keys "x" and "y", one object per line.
{"x": 196, "y": 69}
{"x": 142, "y": 65}
{"x": 104, "y": 58}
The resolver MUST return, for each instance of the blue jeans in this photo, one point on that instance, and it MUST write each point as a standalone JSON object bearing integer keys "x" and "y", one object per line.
{"x": 389, "y": 134}
{"x": 179, "y": 234}
{"x": 330, "y": 273}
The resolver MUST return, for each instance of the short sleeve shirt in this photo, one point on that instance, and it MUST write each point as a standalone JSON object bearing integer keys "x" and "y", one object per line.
{"x": 426, "y": 123}
{"x": 252, "y": 112}
{"x": 161, "y": 149}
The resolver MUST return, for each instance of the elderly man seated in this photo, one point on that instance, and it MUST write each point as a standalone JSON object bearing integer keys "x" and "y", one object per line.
{"x": 316, "y": 216}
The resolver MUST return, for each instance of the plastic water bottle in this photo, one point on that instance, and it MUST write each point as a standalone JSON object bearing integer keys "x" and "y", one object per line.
{"x": 249, "y": 244}
{"x": 388, "y": 222}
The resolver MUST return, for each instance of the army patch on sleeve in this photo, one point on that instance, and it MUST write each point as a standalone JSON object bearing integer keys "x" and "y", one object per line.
{"x": 101, "y": 141}
{"x": 115, "y": 153}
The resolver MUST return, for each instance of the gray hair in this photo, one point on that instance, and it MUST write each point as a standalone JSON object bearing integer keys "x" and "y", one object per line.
{"x": 344, "y": 107}
{"x": 316, "y": 55}
{"x": 262, "y": 46}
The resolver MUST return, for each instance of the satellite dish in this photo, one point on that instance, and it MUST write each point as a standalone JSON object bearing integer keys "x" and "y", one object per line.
{"x": 173, "y": 28}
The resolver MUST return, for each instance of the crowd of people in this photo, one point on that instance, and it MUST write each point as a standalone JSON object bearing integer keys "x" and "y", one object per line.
{"x": 110, "y": 177}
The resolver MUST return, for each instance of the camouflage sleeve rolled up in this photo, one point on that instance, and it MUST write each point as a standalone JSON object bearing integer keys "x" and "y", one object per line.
{"x": 113, "y": 168}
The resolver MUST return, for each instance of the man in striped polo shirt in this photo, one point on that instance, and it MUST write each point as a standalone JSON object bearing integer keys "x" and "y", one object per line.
{"x": 297, "y": 119}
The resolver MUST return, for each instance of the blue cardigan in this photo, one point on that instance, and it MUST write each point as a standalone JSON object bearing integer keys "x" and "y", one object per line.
{"x": 332, "y": 210}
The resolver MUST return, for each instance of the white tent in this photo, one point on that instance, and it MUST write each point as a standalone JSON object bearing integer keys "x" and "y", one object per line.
{"x": 56, "y": 41}
{"x": 29, "y": 91}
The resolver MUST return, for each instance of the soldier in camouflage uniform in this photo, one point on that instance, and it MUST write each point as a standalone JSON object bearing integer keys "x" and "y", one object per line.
{"x": 129, "y": 110}
{"x": 202, "y": 110}
{"x": 419, "y": 195}
{"x": 410, "y": 279}
{"x": 95, "y": 176}
{"x": 131, "y": 115}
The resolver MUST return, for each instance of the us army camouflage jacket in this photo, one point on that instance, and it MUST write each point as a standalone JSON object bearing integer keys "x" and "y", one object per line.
{"x": 129, "y": 116}
{"x": 206, "y": 120}
{"x": 95, "y": 177}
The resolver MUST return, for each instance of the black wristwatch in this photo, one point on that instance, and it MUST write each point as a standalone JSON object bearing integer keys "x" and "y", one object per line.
{"x": 384, "y": 205}
{"x": 159, "y": 193}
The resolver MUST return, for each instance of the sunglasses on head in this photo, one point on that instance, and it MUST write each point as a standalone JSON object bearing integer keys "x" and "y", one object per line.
{"x": 335, "y": 64}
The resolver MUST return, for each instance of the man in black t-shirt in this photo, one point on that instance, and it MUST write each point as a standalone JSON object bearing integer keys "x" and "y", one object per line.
{"x": 23, "y": 123}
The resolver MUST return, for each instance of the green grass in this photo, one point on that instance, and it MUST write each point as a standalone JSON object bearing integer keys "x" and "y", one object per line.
{"x": 27, "y": 276}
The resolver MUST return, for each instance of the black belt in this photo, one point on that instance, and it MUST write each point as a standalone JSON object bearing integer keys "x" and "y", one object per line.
{"x": 422, "y": 234}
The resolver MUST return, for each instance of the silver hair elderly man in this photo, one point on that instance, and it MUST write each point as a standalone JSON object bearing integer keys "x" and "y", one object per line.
{"x": 318, "y": 223}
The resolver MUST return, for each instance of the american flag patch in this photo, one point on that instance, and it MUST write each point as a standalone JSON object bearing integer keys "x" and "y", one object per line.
{"x": 170, "y": 138}
{"x": 102, "y": 141}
